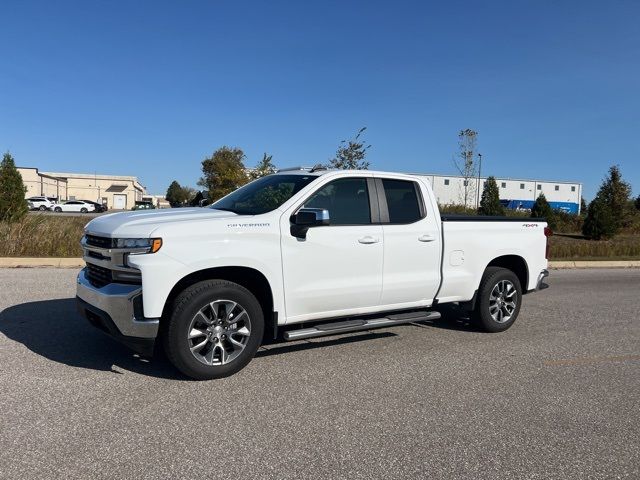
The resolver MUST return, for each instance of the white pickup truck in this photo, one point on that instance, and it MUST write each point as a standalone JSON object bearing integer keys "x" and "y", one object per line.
{"x": 301, "y": 253}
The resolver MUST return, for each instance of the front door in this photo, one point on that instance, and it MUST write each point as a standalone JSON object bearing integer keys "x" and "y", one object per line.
{"x": 337, "y": 269}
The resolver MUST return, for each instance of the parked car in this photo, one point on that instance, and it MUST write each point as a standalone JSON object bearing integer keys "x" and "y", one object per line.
{"x": 340, "y": 251}
{"x": 40, "y": 203}
{"x": 74, "y": 206}
{"x": 99, "y": 207}
{"x": 143, "y": 206}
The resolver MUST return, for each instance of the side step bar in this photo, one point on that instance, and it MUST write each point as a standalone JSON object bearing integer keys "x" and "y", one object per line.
{"x": 346, "y": 326}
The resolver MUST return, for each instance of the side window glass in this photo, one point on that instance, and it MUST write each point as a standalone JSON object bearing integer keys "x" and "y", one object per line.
{"x": 402, "y": 201}
{"x": 346, "y": 199}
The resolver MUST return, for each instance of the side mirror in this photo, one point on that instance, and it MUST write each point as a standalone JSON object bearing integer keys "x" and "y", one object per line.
{"x": 306, "y": 218}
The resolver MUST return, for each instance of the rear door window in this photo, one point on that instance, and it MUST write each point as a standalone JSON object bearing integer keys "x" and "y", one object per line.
{"x": 403, "y": 201}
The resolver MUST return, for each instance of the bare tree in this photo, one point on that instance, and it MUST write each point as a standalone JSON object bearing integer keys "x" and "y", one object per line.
{"x": 466, "y": 165}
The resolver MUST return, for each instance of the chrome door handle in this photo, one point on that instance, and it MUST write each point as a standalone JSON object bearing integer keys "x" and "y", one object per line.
{"x": 368, "y": 240}
{"x": 426, "y": 238}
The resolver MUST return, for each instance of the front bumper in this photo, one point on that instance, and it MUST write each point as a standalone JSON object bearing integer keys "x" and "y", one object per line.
{"x": 540, "y": 285}
{"x": 116, "y": 309}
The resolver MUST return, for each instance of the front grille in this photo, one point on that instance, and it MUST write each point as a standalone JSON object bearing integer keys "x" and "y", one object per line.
{"x": 100, "y": 242}
{"x": 98, "y": 276}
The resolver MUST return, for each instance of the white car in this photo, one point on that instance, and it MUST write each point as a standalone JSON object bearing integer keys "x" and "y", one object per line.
{"x": 39, "y": 203}
{"x": 296, "y": 255}
{"x": 74, "y": 206}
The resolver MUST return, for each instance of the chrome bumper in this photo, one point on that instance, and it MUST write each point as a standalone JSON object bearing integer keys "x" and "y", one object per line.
{"x": 117, "y": 301}
{"x": 540, "y": 285}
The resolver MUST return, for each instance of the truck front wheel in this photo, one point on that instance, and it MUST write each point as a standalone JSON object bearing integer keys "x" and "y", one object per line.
{"x": 499, "y": 299}
{"x": 214, "y": 330}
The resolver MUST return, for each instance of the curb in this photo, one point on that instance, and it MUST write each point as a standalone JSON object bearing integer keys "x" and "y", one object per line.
{"x": 35, "y": 262}
{"x": 560, "y": 264}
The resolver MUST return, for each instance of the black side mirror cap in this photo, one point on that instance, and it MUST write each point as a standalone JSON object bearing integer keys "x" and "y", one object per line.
{"x": 306, "y": 218}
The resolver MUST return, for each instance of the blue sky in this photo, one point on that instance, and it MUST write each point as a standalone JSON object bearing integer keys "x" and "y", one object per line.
{"x": 151, "y": 88}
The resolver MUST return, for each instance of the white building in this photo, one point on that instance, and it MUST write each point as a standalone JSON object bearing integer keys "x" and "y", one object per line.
{"x": 515, "y": 193}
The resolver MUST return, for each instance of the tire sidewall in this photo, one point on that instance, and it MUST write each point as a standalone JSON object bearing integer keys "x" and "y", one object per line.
{"x": 489, "y": 281}
{"x": 186, "y": 307}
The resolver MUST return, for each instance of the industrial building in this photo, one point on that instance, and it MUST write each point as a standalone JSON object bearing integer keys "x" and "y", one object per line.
{"x": 517, "y": 194}
{"x": 117, "y": 192}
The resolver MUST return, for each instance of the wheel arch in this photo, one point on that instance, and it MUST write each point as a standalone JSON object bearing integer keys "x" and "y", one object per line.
{"x": 250, "y": 278}
{"x": 515, "y": 263}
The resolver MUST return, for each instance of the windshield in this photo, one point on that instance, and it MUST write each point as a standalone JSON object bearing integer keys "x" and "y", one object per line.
{"x": 264, "y": 194}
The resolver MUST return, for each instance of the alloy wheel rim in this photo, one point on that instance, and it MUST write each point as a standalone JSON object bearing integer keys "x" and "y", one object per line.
{"x": 219, "y": 332}
{"x": 503, "y": 301}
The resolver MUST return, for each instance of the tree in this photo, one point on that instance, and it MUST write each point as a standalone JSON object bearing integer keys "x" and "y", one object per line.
{"x": 637, "y": 202}
{"x": 607, "y": 211}
{"x": 490, "y": 201}
{"x": 583, "y": 206}
{"x": 13, "y": 205}
{"x": 223, "y": 172}
{"x": 542, "y": 209}
{"x": 177, "y": 195}
{"x": 264, "y": 167}
{"x": 465, "y": 163}
{"x": 600, "y": 222}
{"x": 351, "y": 154}
{"x": 615, "y": 193}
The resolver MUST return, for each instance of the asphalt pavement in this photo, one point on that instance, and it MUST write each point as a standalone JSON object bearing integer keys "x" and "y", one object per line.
{"x": 556, "y": 396}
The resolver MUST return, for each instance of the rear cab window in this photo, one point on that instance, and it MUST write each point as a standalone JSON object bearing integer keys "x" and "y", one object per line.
{"x": 404, "y": 201}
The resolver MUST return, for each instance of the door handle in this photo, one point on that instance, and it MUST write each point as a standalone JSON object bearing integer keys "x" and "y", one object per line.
{"x": 427, "y": 238}
{"x": 368, "y": 240}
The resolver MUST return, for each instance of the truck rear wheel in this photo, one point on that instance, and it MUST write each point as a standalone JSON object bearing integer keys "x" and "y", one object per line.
{"x": 214, "y": 330}
{"x": 499, "y": 299}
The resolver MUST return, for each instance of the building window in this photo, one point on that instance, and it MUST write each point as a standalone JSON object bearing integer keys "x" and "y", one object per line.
{"x": 446, "y": 181}
{"x": 539, "y": 187}
{"x": 504, "y": 184}
{"x": 573, "y": 189}
{"x": 466, "y": 183}
{"x": 557, "y": 187}
{"x": 522, "y": 186}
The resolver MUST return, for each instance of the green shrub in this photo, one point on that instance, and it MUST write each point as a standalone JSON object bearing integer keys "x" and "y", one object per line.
{"x": 600, "y": 222}
{"x": 542, "y": 209}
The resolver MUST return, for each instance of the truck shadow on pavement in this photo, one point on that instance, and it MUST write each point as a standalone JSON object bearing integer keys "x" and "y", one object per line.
{"x": 54, "y": 330}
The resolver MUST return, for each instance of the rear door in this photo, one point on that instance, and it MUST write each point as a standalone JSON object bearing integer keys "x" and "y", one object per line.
{"x": 337, "y": 269}
{"x": 412, "y": 244}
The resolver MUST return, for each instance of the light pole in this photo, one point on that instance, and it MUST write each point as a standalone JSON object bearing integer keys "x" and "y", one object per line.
{"x": 479, "y": 172}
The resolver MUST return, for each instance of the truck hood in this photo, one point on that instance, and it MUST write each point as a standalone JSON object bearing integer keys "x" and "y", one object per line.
{"x": 140, "y": 224}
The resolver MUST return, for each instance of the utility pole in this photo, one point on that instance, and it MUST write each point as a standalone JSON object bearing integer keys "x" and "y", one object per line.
{"x": 479, "y": 173}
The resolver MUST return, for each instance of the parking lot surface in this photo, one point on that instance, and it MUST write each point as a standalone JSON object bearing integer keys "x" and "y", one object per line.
{"x": 556, "y": 396}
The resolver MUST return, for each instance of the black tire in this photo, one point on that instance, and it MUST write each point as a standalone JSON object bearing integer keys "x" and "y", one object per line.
{"x": 83, "y": 210}
{"x": 42, "y": 208}
{"x": 57, "y": 209}
{"x": 185, "y": 308}
{"x": 493, "y": 276}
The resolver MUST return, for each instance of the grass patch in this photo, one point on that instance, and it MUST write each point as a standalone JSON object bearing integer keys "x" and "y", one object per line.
{"x": 42, "y": 236}
{"x": 576, "y": 247}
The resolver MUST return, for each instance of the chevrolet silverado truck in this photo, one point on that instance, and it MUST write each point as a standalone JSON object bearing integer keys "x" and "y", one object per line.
{"x": 298, "y": 254}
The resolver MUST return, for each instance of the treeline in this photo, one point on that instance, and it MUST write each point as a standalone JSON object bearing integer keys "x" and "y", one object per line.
{"x": 226, "y": 170}
{"x": 612, "y": 210}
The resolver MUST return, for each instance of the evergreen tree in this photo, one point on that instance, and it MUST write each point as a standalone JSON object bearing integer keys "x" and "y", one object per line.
{"x": 583, "y": 206}
{"x": 13, "y": 205}
{"x": 174, "y": 194}
{"x": 223, "y": 172}
{"x": 490, "y": 201}
{"x": 607, "y": 211}
{"x": 264, "y": 167}
{"x": 600, "y": 222}
{"x": 637, "y": 202}
{"x": 351, "y": 154}
{"x": 542, "y": 209}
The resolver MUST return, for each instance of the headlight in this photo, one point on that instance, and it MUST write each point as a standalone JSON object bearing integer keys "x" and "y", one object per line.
{"x": 152, "y": 245}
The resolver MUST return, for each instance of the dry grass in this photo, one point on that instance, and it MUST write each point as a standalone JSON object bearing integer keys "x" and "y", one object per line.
{"x": 576, "y": 247}
{"x": 58, "y": 236}
{"x": 42, "y": 236}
